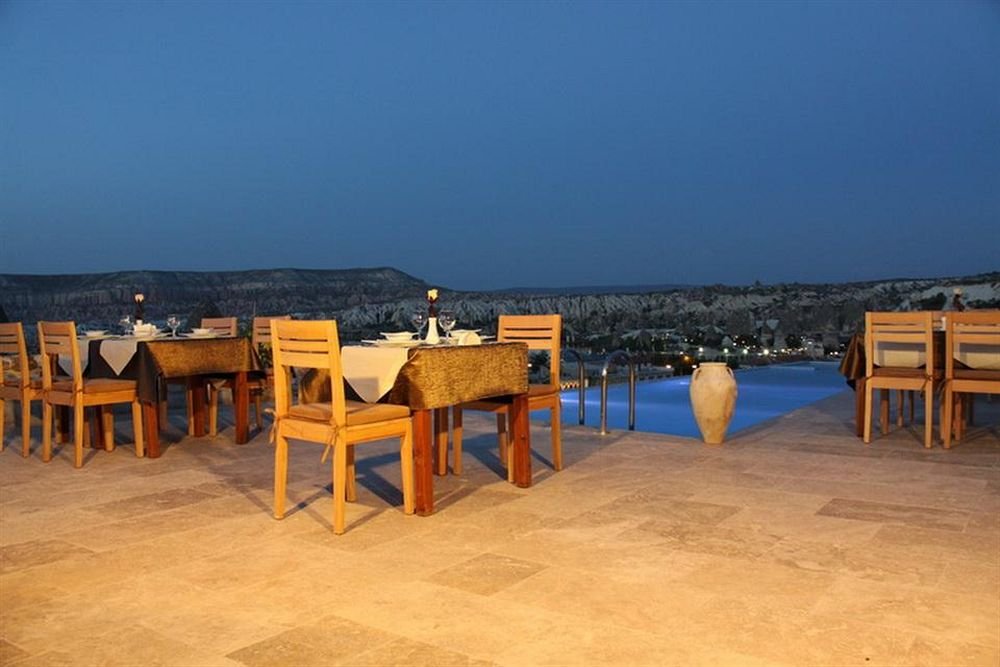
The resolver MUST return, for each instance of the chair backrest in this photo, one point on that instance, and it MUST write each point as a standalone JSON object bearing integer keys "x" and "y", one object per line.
{"x": 913, "y": 330}
{"x": 220, "y": 326}
{"x": 540, "y": 332}
{"x": 12, "y": 344}
{"x": 261, "y": 334}
{"x": 306, "y": 344}
{"x": 57, "y": 339}
{"x": 972, "y": 334}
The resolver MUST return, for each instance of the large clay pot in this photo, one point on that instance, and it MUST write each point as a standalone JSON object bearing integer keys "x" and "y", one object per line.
{"x": 713, "y": 399}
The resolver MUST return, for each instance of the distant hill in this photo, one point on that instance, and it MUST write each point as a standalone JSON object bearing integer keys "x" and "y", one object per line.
{"x": 368, "y": 300}
{"x": 105, "y": 297}
{"x": 596, "y": 289}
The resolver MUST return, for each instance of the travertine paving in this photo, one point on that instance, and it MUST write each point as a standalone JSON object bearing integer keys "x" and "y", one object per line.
{"x": 792, "y": 544}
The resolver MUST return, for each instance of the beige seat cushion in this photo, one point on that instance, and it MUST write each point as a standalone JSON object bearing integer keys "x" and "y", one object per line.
{"x": 98, "y": 386}
{"x": 357, "y": 412}
{"x": 976, "y": 374}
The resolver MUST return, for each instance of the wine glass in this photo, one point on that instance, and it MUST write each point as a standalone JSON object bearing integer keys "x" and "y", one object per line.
{"x": 173, "y": 322}
{"x": 126, "y": 324}
{"x": 419, "y": 319}
{"x": 446, "y": 319}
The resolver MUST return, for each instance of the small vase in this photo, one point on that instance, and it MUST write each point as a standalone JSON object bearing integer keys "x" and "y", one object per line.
{"x": 433, "y": 337}
{"x": 713, "y": 400}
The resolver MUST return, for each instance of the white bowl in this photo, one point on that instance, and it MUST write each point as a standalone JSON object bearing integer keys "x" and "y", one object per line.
{"x": 201, "y": 331}
{"x": 397, "y": 335}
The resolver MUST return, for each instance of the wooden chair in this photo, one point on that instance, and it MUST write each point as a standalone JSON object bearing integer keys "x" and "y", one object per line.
{"x": 540, "y": 332}
{"x": 59, "y": 338}
{"x": 23, "y": 388}
{"x": 916, "y": 331}
{"x": 339, "y": 424}
{"x": 980, "y": 329}
{"x": 223, "y": 326}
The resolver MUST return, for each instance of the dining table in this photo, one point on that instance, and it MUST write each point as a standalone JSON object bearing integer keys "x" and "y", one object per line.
{"x": 193, "y": 360}
{"x": 429, "y": 379}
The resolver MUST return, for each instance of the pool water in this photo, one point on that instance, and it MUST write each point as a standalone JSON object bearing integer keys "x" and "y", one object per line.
{"x": 663, "y": 406}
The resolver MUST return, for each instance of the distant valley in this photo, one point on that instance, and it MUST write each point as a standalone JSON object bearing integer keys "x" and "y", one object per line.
{"x": 366, "y": 301}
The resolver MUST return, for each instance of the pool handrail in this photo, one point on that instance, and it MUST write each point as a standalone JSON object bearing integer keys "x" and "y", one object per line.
{"x": 614, "y": 356}
{"x": 581, "y": 378}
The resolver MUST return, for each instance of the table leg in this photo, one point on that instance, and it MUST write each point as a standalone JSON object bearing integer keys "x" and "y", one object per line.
{"x": 423, "y": 462}
{"x": 520, "y": 440}
{"x": 196, "y": 393}
{"x": 241, "y": 407}
{"x": 151, "y": 429}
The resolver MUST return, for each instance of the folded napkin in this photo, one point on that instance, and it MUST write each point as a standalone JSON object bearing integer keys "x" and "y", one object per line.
{"x": 469, "y": 338}
{"x": 118, "y": 353}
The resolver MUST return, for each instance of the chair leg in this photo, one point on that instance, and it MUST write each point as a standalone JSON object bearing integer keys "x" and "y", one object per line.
{"x": 189, "y": 407}
{"x": 502, "y": 436}
{"x": 901, "y": 397}
{"x": 47, "y": 431}
{"x": 78, "y": 428}
{"x": 928, "y": 417}
{"x": 883, "y": 410}
{"x": 946, "y": 419}
{"x": 213, "y": 411}
{"x": 108, "y": 426}
{"x": 137, "y": 433}
{"x": 280, "y": 475}
{"x": 258, "y": 411}
{"x": 406, "y": 461}
{"x": 25, "y": 428}
{"x": 868, "y": 413}
{"x": 456, "y": 439}
{"x": 3, "y": 416}
{"x": 352, "y": 483}
{"x": 557, "y": 437}
{"x": 441, "y": 439}
{"x": 339, "y": 486}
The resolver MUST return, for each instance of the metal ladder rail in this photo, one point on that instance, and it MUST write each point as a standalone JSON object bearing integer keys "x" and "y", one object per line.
{"x": 582, "y": 377}
{"x": 617, "y": 354}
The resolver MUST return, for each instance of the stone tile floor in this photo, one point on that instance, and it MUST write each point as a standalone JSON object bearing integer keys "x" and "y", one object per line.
{"x": 792, "y": 544}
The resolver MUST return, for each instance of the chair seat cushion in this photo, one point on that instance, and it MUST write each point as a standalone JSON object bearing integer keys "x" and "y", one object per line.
{"x": 892, "y": 371}
{"x": 98, "y": 386}
{"x": 357, "y": 412}
{"x": 15, "y": 382}
{"x": 974, "y": 374}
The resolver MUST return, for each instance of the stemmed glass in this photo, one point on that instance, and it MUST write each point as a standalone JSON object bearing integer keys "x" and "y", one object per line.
{"x": 173, "y": 322}
{"x": 126, "y": 324}
{"x": 446, "y": 319}
{"x": 419, "y": 319}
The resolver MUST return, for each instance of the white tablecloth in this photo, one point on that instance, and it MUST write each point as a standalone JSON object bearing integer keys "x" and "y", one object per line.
{"x": 371, "y": 371}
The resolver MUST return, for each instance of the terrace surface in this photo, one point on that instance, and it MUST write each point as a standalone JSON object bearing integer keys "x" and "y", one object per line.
{"x": 792, "y": 544}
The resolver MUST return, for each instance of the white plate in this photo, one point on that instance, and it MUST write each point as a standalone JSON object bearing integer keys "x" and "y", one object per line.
{"x": 396, "y": 335}
{"x": 95, "y": 333}
{"x": 394, "y": 343}
{"x": 198, "y": 335}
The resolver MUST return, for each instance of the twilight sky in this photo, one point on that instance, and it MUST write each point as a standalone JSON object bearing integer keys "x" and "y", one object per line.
{"x": 481, "y": 145}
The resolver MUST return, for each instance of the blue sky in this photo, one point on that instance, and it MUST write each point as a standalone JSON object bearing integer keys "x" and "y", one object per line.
{"x": 482, "y": 145}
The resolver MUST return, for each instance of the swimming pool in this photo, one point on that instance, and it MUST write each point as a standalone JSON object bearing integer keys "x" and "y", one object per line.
{"x": 663, "y": 406}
